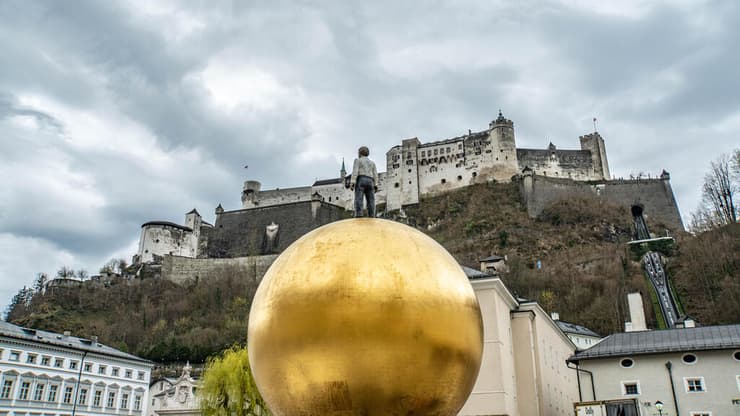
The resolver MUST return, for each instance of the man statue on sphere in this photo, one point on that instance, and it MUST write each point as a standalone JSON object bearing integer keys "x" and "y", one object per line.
{"x": 364, "y": 182}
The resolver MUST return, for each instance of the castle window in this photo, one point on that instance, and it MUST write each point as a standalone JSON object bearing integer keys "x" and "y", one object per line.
{"x": 448, "y": 150}
{"x": 396, "y": 185}
{"x": 444, "y": 180}
{"x": 329, "y": 199}
{"x": 423, "y": 153}
{"x": 409, "y": 170}
{"x": 436, "y": 151}
{"x": 409, "y": 182}
{"x": 156, "y": 241}
{"x": 459, "y": 177}
{"x": 475, "y": 174}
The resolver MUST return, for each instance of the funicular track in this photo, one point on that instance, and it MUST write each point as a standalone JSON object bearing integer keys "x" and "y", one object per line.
{"x": 655, "y": 272}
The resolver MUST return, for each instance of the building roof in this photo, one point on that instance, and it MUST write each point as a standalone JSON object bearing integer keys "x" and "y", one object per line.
{"x": 661, "y": 341}
{"x": 166, "y": 223}
{"x": 193, "y": 211}
{"x": 493, "y": 258}
{"x": 327, "y": 181}
{"x": 51, "y": 338}
{"x": 571, "y": 328}
{"x": 475, "y": 274}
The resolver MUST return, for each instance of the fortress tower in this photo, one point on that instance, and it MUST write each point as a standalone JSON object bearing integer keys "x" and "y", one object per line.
{"x": 595, "y": 143}
{"x": 503, "y": 161}
{"x": 249, "y": 193}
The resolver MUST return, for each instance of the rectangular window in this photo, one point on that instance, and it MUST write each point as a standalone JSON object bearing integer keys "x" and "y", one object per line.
{"x": 124, "y": 400}
{"x": 31, "y": 358}
{"x": 101, "y": 369}
{"x": 59, "y": 362}
{"x": 82, "y": 399}
{"x": 73, "y": 365}
{"x": 630, "y": 388}
{"x": 45, "y": 360}
{"x": 88, "y": 367}
{"x": 7, "y": 389}
{"x": 111, "y": 399}
{"x": 694, "y": 385}
{"x": 15, "y": 356}
{"x": 52, "y": 393}
{"x": 67, "y": 398}
{"x": 23, "y": 393}
{"x": 96, "y": 398}
{"x": 38, "y": 394}
{"x": 137, "y": 402}
{"x": 129, "y": 373}
{"x": 114, "y": 372}
{"x": 140, "y": 376}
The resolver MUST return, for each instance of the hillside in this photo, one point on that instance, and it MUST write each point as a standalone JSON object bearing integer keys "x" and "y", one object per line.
{"x": 586, "y": 272}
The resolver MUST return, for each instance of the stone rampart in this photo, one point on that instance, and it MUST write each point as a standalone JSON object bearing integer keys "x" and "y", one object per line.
{"x": 184, "y": 269}
{"x": 654, "y": 196}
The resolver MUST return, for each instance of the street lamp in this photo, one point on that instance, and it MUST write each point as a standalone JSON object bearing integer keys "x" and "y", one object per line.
{"x": 659, "y": 406}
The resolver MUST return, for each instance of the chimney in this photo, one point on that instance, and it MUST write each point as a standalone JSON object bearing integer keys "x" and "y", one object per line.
{"x": 689, "y": 323}
{"x": 555, "y": 316}
{"x": 67, "y": 333}
{"x": 95, "y": 339}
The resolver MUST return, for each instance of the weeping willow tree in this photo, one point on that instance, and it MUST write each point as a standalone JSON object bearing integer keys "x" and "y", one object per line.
{"x": 228, "y": 387}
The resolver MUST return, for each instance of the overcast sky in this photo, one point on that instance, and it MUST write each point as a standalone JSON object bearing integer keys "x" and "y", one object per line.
{"x": 114, "y": 114}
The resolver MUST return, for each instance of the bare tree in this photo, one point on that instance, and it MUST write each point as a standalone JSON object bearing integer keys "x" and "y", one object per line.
{"x": 719, "y": 205}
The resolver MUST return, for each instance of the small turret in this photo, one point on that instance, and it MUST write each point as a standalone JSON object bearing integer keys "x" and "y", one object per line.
{"x": 343, "y": 171}
{"x": 249, "y": 193}
{"x": 219, "y": 209}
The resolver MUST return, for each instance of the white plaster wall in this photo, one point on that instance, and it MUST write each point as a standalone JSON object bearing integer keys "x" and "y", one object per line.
{"x": 558, "y": 383}
{"x": 719, "y": 369}
{"x": 550, "y": 165}
{"x": 494, "y": 392}
{"x": 64, "y": 376}
{"x": 278, "y": 196}
{"x": 163, "y": 239}
{"x": 583, "y": 342}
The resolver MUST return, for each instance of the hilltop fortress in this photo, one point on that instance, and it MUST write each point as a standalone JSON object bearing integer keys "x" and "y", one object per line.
{"x": 416, "y": 169}
{"x": 270, "y": 220}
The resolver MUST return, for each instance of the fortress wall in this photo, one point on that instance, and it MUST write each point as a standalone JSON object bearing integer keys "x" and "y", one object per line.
{"x": 654, "y": 195}
{"x": 183, "y": 269}
{"x": 571, "y": 164}
{"x": 160, "y": 240}
{"x": 243, "y": 232}
{"x": 278, "y": 196}
{"x": 335, "y": 194}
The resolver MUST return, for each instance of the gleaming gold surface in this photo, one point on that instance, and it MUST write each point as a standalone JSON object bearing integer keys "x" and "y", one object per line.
{"x": 365, "y": 317}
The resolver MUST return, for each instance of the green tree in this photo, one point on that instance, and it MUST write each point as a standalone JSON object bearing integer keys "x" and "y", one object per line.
{"x": 228, "y": 387}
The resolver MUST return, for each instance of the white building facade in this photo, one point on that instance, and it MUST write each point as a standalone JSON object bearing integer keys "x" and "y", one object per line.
{"x": 49, "y": 374}
{"x": 175, "y": 397}
{"x": 160, "y": 238}
{"x": 690, "y": 371}
{"x": 524, "y": 370}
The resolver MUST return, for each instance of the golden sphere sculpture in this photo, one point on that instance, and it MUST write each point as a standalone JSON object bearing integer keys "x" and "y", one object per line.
{"x": 365, "y": 317}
